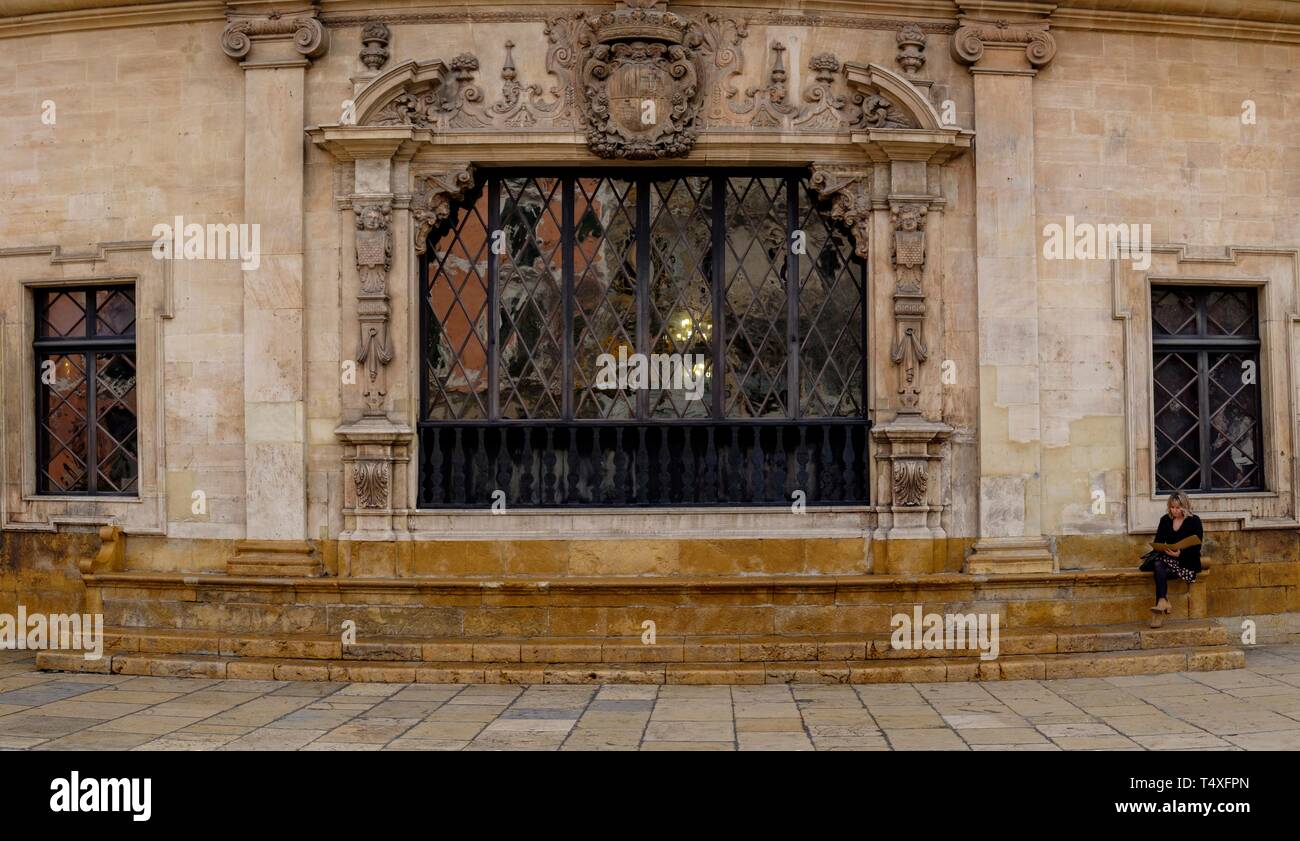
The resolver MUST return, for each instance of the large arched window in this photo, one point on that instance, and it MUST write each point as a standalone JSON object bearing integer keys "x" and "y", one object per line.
{"x": 648, "y": 338}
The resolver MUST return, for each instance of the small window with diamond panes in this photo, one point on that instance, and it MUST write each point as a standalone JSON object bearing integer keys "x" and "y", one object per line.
{"x": 86, "y": 403}
{"x": 1206, "y": 380}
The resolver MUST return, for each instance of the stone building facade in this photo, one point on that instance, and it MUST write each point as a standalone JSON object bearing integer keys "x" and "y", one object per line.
{"x": 877, "y": 222}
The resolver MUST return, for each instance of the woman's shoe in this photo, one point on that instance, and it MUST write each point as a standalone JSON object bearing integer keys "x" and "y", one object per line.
{"x": 1158, "y": 615}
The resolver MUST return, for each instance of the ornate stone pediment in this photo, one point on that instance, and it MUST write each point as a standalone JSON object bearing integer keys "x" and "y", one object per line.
{"x": 642, "y": 82}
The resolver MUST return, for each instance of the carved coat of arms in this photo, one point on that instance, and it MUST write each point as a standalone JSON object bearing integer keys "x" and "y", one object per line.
{"x": 641, "y": 84}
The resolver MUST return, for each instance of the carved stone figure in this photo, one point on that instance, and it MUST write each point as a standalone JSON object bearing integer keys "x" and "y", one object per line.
{"x": 848, "y": 190}
{"x": 907, "y": 254}
{"x": 374, "y": 247}
{"x": 434, "y": 194}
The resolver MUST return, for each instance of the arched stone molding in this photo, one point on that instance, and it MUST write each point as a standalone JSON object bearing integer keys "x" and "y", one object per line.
{"x": 874, "y": 145}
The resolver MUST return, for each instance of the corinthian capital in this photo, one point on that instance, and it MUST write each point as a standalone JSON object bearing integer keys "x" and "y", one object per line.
{"x": 973, "y": 38}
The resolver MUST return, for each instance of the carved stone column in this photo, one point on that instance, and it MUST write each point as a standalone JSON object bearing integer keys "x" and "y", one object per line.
{"x": 1004, "y": 56}
{"x": 377, "y": 478}
{"x": 274, "y": 49}
{"x": 908, "y": 447}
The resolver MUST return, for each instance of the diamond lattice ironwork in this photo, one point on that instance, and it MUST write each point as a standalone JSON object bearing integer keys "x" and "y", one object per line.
{"x": 604, "y": 292}
{"x": 757, "y": 298}
{"x": 530, "y": 337}
{"x": 832, "y": 346}
{"x": 1206, "y": 379}
{"x": 117, "y": 465}
{"x": 63, "y": 423}
{"x": 456, "y": 343}
{"x": 680, "y": 288}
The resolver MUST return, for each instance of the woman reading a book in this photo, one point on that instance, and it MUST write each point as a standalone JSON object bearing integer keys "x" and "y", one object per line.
{"x": 1176, "y": 550}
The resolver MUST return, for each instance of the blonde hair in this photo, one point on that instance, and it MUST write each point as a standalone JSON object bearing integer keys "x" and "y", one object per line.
{"x": 1183, "y": 500}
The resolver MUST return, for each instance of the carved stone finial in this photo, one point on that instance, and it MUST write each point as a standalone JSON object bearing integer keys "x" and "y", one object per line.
{"x": 770, "y": 104}
{"x": 310, "y": 39}
{"x": 508, "y": 71}
{"x": 375, "y": 37}
{"x": 911, "y": 49}
{"x": 971, "y": 39}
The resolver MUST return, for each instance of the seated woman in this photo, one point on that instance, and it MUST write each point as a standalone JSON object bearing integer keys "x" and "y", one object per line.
{"x": 1179, "y": 524}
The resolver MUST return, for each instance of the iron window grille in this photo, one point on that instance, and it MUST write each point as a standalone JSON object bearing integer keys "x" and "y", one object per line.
{"x": 1206, "y": 375}
{"x": 86, "y": 411}
{"x": 692, "y": 264}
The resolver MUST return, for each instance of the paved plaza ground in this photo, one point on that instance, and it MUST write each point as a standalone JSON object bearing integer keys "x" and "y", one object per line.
{"x": 1256, "y": 708}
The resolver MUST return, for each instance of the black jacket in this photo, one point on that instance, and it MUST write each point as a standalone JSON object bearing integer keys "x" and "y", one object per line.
{"x": 1189, "y": 558}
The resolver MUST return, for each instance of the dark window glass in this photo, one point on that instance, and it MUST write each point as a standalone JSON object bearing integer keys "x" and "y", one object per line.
{"x": 86, "y": 391}
{"x": 689, "y": 264}
{"x": 1206, "y": 377}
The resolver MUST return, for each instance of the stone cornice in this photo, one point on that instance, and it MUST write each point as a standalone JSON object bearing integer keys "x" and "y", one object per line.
{"x": 1276, "y": 21}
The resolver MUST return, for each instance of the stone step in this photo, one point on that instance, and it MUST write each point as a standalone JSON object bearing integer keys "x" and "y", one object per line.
{"x": 928, "y": 670}
{"x": 612, "y": 606}
{"x": 832, "y": 647}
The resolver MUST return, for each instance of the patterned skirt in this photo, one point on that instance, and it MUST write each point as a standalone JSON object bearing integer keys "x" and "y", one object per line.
{"x": 1172, "y": 564}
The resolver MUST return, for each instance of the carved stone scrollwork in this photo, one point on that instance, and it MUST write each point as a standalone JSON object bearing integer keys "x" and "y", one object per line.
{"x": 911, "y": 49}
{"x": 374, "y": 241}
{"x": 910, "y": 481}
{"x": 371, "y": 480}
{"x": 642, "y": 81}
{"x": 309, "y": 37}
{"x": 908, "y": 258}
{"x": 850, "y": 193}
{"x": 433, "y": 197}
{"x": 827, "y": 109}
{"x": 971, "y": 39}
{"x": 375, "y": 37}
{"x": 718, "y": 43}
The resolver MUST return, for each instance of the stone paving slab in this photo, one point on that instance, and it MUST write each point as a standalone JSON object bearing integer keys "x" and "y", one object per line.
{"x": 1255, "y": 708}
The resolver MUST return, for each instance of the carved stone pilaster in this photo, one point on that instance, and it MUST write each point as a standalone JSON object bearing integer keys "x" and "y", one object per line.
{"x": 375, "y": 467}
{"x": 910, "y": 452}
{"x": 911, "y": 49}
{"x": 375, "y": 37}
{"x": 974, "y": 37}
{"x": 432, "y": 199}
{"x": 309, "y": 38}
{"x": 907, "y": 254}
{"x": 374, "y": 246}
{"x": 849, "y": 190}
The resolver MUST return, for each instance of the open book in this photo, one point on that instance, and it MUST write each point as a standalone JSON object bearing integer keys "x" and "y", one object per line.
{"x": 1177, "y": 547}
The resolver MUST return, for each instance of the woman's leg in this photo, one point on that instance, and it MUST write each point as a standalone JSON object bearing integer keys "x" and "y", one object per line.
{"x": 1161, "y": 573}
